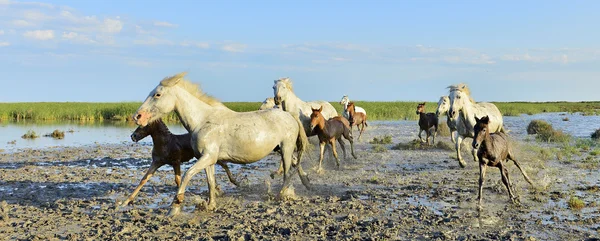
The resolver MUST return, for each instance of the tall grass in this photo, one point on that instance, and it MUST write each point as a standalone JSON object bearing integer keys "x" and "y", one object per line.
{"x": 85, "y": 111}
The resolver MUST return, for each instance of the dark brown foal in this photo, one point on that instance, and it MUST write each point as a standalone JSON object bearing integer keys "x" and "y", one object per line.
{"x": 493, "y": 149}
{"x": 427, "y": 122}
{"x": 357, "y": 119}
{"x": 168, "y": 149}
{"x": 329, "y": 131}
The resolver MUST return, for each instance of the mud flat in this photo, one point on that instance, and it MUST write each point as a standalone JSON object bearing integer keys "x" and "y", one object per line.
{"x": 70, "y": 193}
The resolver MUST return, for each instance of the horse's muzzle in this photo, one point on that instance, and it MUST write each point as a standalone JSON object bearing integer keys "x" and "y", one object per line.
{"x": 134, "y": 138}
{"x": 476, "y": 145}
{"x": 277, "y": 100}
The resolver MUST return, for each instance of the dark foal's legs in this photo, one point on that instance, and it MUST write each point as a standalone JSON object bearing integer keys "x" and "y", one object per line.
{"x": 177, "y": 170}
{"x": 482, "y": 169}
{"x": 342, "y": 144}
{"x": 335, "y": 154}
{"x": 153, "y": 167}
{"x": 512, "y": 158}
{"x": 506, "y": 181}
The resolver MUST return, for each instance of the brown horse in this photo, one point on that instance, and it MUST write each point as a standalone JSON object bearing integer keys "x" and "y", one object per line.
{"x": 329, "y": 131}
{"x": 168, "y": 149}
{"x": 427, "y": 122}
{"x": 358, "y": 119}
{"x": 493, "y": 148}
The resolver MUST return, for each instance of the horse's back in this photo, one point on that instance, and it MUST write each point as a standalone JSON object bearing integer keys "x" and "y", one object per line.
{"x": 328, "y": 110}
{"x": 492, "y": 111}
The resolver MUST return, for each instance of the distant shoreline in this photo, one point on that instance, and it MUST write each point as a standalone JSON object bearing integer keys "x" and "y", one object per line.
{"x": 376, "y": 110}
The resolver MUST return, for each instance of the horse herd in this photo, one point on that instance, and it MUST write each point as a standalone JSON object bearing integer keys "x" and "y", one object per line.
{"x": 219, "y": 135}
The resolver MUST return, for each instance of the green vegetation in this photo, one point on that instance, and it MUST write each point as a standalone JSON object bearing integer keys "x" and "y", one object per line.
{"x": 596, "y": 134}
{"x": 575, "y": 203}
{"x": 416, "y": 144}
{"x": 387, "y": 139}
{"x": 379, "y": 148}
{"x": 545, "y": 132}
{"x": 30, "y": 135}
{"x": 86, "y": 111}
{"x": 56, "y": 134}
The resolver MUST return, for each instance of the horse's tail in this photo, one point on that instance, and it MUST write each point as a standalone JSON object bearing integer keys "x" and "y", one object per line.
{"x": 302, "y": 141}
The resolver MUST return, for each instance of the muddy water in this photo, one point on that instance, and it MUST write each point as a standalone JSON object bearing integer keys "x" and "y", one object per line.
{"x": 69, "y": 192}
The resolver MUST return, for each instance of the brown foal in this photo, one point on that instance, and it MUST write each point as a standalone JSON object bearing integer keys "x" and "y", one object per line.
{"x": 329, "y": 131}
{"x": 357, "y": 119}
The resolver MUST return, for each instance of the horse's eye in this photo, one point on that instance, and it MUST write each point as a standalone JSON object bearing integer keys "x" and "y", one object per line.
{"x": 157, "y": 95}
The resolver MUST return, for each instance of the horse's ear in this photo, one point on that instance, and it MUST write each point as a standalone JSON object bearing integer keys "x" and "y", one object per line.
{"x": 477, "y": 119}
{"x": 424, "y": 103}
{"x": 486, "y": 119}
{"x": 320, "y": 108}
{"x": 173, "y": 80}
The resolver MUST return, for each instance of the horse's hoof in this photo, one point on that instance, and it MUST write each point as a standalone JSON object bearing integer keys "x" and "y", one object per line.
{"x": 479, "y": 208}
{"x": 462, "y": 163}
{"x": 320, "y": 171}
{"x": 175, "y": 210}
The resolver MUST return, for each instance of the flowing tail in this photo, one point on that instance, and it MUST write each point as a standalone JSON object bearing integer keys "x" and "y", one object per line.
{"x": 302, "y": 141}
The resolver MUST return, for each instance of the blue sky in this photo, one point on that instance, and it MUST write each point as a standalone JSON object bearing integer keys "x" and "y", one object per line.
{"x": 110, "y": 50}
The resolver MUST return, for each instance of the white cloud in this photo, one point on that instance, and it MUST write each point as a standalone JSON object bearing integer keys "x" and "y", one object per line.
{"x": 4, "y": 44}
{"x": 35, "y": 15}
{"x": 76, "y": 37}
{"x": 39, "y": 34}
{"x": 235, "y": 48}
{"x": 340, "y": 59}
{"x": 112, "y": 25}
{"x": 22, "y": 23}
{"x": 201, "y": 45}
{"x": 153, "y": 41}
{"x": 165, "y": 24}
{"x": 69, "y": 16}
{"x": 4, "y": 2}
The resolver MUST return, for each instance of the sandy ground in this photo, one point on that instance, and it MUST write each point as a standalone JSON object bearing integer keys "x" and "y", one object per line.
{"x": 71, "y": 194}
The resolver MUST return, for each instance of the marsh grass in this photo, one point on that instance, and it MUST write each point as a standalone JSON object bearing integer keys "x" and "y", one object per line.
{"x": 385, "y": 140}
{"x": 546, "y": 133}
{"x": 56, "y": 134}
{"x": 379, "y": 148}
{"x": 418, "y": 145}
{"x": 30, "y": 135}
{"x": 396, "y": 110}
{"x": 575, "y": 203}
{"x": 443, "y": 129}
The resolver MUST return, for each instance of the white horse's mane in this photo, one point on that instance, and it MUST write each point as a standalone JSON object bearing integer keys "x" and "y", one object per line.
{"x": 462, "y": 88}
{"x": 190, "y": 87}
{"x": 287, "y": 82}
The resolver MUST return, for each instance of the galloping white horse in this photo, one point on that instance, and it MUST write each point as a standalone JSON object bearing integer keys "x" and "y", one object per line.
{"x": 220, "y": 134}
{"x": 344, "y": 101}
{"x": 442, "y": 109}
{"x": 463, "y": 110}
{"x": 285, "y": 97}
{"x": 269, "y": 103}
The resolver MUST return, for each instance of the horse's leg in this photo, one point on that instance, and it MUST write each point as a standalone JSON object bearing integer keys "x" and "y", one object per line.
{"x": 321, "y": 151}
{"x": 428, "y": 134}
{"x": 482, "y": 169}
{"x": 287, "y": 154}
{"x": 212, "y": 187}
{"x": 474, "y": 153}
{"x": 506, "y": 181}
{"x": 361, "y": 129}
{"x": 453, "y": 136}
{"x": 420, "y": 138}
{"x": 342, "y": 145}
{"x": 205, "y": 161}
{"x": 153, "y": 167}
{"x": 511, "y": 157}
{"x": 229, "y": 174}
{"x": 351, "y": 140}
{"x": 177, "y": 171}
{"x": 337, "y": 160}
{"x": 435, "y": 134}
{"x": 459, "y": 140}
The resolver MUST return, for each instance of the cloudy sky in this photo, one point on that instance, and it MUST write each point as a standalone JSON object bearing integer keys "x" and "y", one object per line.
{"x": 380, "y": 50}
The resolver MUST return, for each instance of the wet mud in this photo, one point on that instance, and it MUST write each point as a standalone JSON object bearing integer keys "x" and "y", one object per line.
{"x": 70, "y": 193}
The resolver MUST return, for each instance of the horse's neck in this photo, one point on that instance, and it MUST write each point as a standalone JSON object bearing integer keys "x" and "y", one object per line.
{"x": 159, "y": 139}
{"x": 346, "y": 106}
{"x": 192, "y": 112}
{"x": 293, "y": 104}
{"x": 488, "y": 144}
{"x": 468, "y": 115}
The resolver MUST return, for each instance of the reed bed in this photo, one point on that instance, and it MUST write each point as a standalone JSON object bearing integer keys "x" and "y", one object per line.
{"x": 122, "y": 111}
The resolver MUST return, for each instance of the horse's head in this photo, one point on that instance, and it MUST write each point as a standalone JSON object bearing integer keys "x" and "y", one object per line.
{"x": 269, "y": 103}
{"x": 281, "y": 89}
{"x": 481, "y": 131}
{"x": 317, "y": 119}
{"x": 459, "y": 96}
{"x": 140, "y": 133}
{"x": 351, "y": 111}
{"x": 443, "y": 106}
{"x": 344, "y": 100}
{"x": 421, "y": 108}
{"x": 159, "y": 102}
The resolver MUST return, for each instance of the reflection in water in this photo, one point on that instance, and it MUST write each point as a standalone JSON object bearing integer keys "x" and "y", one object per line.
{"x": 108, "y": 132}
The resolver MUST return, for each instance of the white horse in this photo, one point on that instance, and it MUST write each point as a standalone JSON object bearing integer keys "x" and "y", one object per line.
{"x": 269, "y": 103}
{"x": 463, "y": 110}
{"x": 344, "y": 101}
{"x": 442, "y": 109}
{"x": 285, "y": 97}
{"x": 220, "y": 134}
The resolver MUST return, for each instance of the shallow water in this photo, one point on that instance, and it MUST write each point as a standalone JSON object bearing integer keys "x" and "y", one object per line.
{"x": 114, "y": 133}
